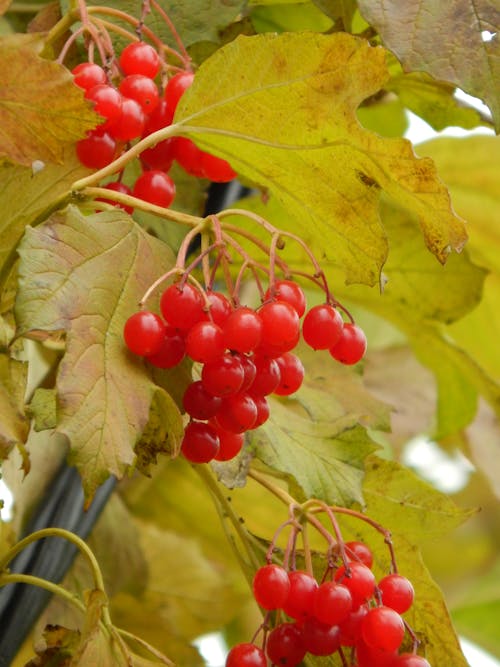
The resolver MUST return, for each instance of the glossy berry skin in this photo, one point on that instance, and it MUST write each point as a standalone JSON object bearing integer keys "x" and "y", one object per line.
{"x": 188, "y": 155}
{"x": 246, "y": 655}
{"x": 141, "y": 89}
{"x": 200, "y": 443}
{"x": 155, "y": 187}
{"x": 88, "y": 75}
{"x": 159, "y": 118}
{"x": 320, "y": 638}
{"x": 198, "y": 403}
{"x": 280, "y": 325}
{"x": 397, "y": 592}
{"x": 158, "y": 157}
{"x": 107, "y": 103}
{"x": 373, "y": 657}
{"x": 350, "y": 628}
{"x": 322, "y": 327}
{"x": 230, "y": 444}
{"x": 249, "y": 371}
{"x": 205, "y": 342}
{"x": 267, "y": 376}
{"x": 172, "y": 350}
{"x": 409, "y": 660}
{"x": 220, "y": 307}
{"x": 176, "y": 87}
{"x": 332, "y": 603}
{"x": 216, "y": 169}
{"x": 284, "y": 646}
{"x": 140, "y": 58}
{"x": 263, "y": 410}
{"x": 300, "y": 601}
{"x": 182, "y": 306}
{"x": 289, "y": 291}
{"x": 383, "y": 628}
{"x": 361, "y": 582}
{"x": 237, "y": 413}
{"x": 243, "y": 330}
{"x": 271, "y": 586}
{"x": 224, "y": 376}
{"x": 116, "y": 186}
{"x": 360, "y": 552}
{"x": 351, "y": 346}
{"x": 143, "y": 333}
{"x": 291, "y": 374}
{"x": 97, "y": 150}
{"x": 130, "y": 124}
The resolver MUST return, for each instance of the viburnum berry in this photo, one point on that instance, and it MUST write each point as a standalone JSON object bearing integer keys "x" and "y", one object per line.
{"x": 263, "y": 410}
{"x": 249, "y": 371}
{"x": 300, "y": 601}
{"x": 289, "y": 291}
{"x": 142, "y": 89}
{"x": 383, "y": 628}
{"x": 237, "y": 413}
{"x": 172, "y": 350}
{"x": 97, "y": 150}
{"x": 243, "y": 330}
{"x": 332, "y": 603}
{"x": 200, "y": 443}
{"x": 198, "y": 403}
{"x": 280, "y": 326}
{"x": 205, "y": 342}
{"x": 117, "y": 186}
{"x": 143, "y": 333}
{"x": 216, "y": 169}
{"x": 140, "y": 58}
{"x": 159, "y": 118}
{"x": 291, "y": 374}
{"x": 359, "y": 551}
{"x": 188, "y": 155}
{"x": 220, "y": 307}
{"x": 350, "y": 628}
{"x": 397, "y": 592}
{"x": 368, "y": 656}
{"x": 230, "y": 444}
{"x": 155, "y": 187}
{"x": 322, "y": 327}
{"x": 409, "y": 660}
{"x": 267, "y": 376}
{"x": 246, "y": 655}
{"x": 360, "y": 581}
{"x": 182, "y": 306}
{"x": 271, "y": 586}
{"x": 88, "y": 75}
{"x": 176, "y": 88}
{"x": 107, "y": 103}
{"x": 159, "y": 156}
{"x": 320, "y": 638}
{"x": 285, "y": 646}
{"x": 224, "y": 376}
{"x": 130, "y": 123}
{"x": 351, "y": 346}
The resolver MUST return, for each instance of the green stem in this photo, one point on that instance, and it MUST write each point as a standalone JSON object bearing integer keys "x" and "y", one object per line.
{"x": 144, "y": 644}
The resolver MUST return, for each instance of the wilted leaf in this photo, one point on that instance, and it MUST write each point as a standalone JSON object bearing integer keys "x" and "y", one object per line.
{"x": 14, "y": 426}
{"x": 43, "y": 409}
{"x": 41, "y": 109}
{"x": 444, "y": 39}
{"x": 288, "y": 123}
{"x": 66, "y": 285}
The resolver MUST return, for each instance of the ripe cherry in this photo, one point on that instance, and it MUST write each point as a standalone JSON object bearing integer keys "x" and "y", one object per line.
{"x": 200, "y": 443}
{"x": 271, "y": 586}
{"x": 140, "y": 58}
{"x": 143, "y": 333}
{"x": 351, "y": 346}
{"x": 155, "y": 187}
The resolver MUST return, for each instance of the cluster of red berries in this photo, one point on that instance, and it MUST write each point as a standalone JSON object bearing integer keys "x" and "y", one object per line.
{"x": 246, "y": 355}
{"x": 134, "y": 109}
{"x": 349, "y": 612}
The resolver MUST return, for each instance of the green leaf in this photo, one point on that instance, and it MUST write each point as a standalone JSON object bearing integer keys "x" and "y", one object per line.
{"x": 444, "y": 40}
{"x": 289, "y": 17}
{"x": 14, "y": 426}
{"x": 66, "y": 285}
{"x": 288, "y": 123}
{"x": 41, "y": 110}
{"x": 42, "y": 409}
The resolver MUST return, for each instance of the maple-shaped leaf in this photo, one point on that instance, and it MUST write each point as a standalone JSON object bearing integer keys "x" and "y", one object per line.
{"x": 282, "y": 110}
{"x": 84, "y": 276}
{"x": 41, "y": 109}
{"x": 449, "y": 40}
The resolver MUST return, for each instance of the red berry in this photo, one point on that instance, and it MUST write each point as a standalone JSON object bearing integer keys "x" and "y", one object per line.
{"x": 383, "y": 628}
{"x": 182, "y": 306}
{"x": 246, "y": 655}
{"x": 397, "y": 592}
{"x": 368, "y": 656}
{"x": 142, "y": 89}
{"x": 117, "y": 186}
{"x": 144, "y": 332}
{"x": 107, "y": 103}
{"x": 360, "y": 581}
{"x": 320, "y": 638}
{"x": 176, "y": 87}
{"x": 287, "y": 290}
{"x": 284, "y": 646}
{"x": 158, "y": 157}
{"x": 130, "y": 123}
{"x": 280, "y": 326}
{"x": 360, "y": 552}
{"x": 220, "y": 307}
{"x": 155, "y": 187}
{"x": 322, "y": 327}
{"x": 205, "y": 342}
{"x": 230, "y": 444}
{"x": 243, "y": 330}
{"x": 188, "y": 155}
{"x": 237, "y": 413}
{"x": 332, "y": 603}
{"x": 88, "y": 75}
{"x": 271, "y": 586}
{"x": 263, "y": 410}
{"x": 300, "y": 601}
{"x": 351, "y": 346}
{"x": 172, "y": 350}
{"x": 267, "y": 376}
{"x": 140, "y": 58}
{"x": 350, "y": 628}
{"x": 224, "y": 376}
{"x": 200, "y": 443}
{"x": 409, "y": 660}
{"x": 249, "y": 370}
{"x": 291, "y": 372}
{"x": 198, "y": 403}
{"x": 216, "y": 169}
{"x": 97, "y": 150}
{"x": 160, "y": 117}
